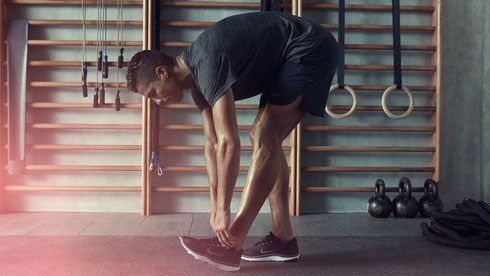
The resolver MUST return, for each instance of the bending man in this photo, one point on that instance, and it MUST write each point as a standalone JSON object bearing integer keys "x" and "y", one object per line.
{"x": 290, "y": 62}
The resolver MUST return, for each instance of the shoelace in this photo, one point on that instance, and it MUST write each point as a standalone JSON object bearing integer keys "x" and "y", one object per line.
{"x": 213, "y": 241}
{"x": 266, "y": 240}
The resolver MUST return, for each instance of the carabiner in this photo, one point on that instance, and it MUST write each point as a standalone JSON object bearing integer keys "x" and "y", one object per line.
{"x": 160, "y": 171}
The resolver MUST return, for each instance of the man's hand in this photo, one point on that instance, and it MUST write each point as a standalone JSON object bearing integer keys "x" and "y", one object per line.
{"x": 221, "y": 224}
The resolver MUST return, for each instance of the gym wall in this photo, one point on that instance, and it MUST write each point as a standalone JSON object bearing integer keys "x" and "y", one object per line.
{"x": 465, "y": 151}
{"x": 328, "y": 169}
{"x": 103, "y": 145}
{"x": 486, "y": 105}
{"x": 128, "y": 159}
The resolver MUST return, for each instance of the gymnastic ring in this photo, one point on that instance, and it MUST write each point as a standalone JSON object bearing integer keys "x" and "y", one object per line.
{"x": 354, "y": 104}
{"x": 388, "y": 112}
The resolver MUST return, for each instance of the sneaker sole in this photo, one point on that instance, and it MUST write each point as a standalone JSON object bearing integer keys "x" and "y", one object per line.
{"x": 208, "y": 261}
{"x": 270, "y": 258}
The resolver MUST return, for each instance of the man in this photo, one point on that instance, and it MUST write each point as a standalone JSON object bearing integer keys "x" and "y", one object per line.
{"x": 291, "y": 62}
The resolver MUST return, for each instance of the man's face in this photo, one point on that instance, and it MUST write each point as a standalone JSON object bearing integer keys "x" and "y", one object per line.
{"x": 163, "y": 90}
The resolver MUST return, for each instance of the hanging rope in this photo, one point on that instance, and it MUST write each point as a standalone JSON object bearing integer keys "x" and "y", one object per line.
{"x": 103, "y": 55}
{"x": 98, "y": 54}
{"x": 397, "y": 64}
{"x": 341, "y": 67}
{"x": 120, "y": 60}
{"x": 84, "y": 50}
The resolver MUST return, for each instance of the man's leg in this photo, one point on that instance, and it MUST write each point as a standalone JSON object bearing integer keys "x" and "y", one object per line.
{"x": 278, "y": 201}
{"x": 279, "y": 197}
{"x": 274, "y": 124}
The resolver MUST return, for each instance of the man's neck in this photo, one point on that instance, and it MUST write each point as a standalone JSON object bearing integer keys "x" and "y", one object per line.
{"x": 183, "y": 73}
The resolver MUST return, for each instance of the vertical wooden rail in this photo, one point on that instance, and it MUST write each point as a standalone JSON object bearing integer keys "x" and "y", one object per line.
{"x": 2, "y": 106}
{"x": 297, "y": 182}
{"x": 144, "y": 124}
{"x": 298, "y": 170}
{"x": 150, "y": 46}
{"x": 436, "y": 81}
{"x": 294, "y": 151}
{"x": 292, "y": 173}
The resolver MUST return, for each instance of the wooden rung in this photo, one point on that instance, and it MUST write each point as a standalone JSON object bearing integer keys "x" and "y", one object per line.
{"x": 128, "y": 106}
{"x": 80, "y": 43}
{"x": 186, "y": 44}
{"x": 72, "y": 189}
{"x": 352, "y": 190}
{"x": 187, "y": 189}
{"x": 207, "y": 4}
{"x": 369, "y": 128}
{"x": 195, "y": 127}
{"x": 205, "y": 24}
{"x": 192, "y": 169}
{"x": 204, "y": 4}
{"x": 83, "y": 147}
{"x": 79, "y": 23}
{"x": 367, "y": 169}
{"x": 69, "y": 63}
{"x": 80, "y": 168}
{"x": 378, "y": 47}
{"x": 347, "y": 67}
{"x": 199, "y": 24}
{"x": 428, "y": 48}
{"x": 193, "y": 106}
{"x": 201, "y": 148}
{"x": 199, "y": 127}
{"x": 85, "y": 126}
{"x": 192, "y": 24}
{"x": 239, "y": 107}
{"x": 370, "y": 7}
{"x": 125, "y": 147}
{"x": 382, "y": 88}
{"x": 380, "y": 27}
{"x": 195, "y": 168}
{"x": 123, "y": 84}
{"x": 79, "y": 105}
{"x": 71, "y": 2}
{"x": 389, "y": 68}
{"x": 366, "y": 149}
{"x": 74, "y": 84}
{"x": 379, "y": 108}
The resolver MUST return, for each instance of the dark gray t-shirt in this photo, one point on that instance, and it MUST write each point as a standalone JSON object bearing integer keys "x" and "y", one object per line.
{"x": 244, "y": 52}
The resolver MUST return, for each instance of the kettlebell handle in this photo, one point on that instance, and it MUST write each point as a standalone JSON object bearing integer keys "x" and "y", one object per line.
{"x": 405, "y": 187}
{"x": 380, "y": 187}
{"x": 435, "y": 189}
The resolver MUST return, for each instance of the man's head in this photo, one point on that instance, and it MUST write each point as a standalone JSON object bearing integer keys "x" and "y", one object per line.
{"x": 151, "y": 74}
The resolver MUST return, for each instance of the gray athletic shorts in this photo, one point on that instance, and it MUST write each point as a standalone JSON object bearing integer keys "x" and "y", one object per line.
{"x": 309, "y": 76}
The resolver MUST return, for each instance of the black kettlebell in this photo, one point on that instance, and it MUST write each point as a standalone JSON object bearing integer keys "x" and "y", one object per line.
{"x": 405, "y": 205}
{"x": 430, "y": 203}
{"x": 379, "y": 205}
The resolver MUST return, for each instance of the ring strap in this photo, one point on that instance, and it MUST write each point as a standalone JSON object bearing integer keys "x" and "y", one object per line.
{"x": 265, "y": 5}
{"x": 276, "y": 6}
{"x": 397, "y": 53}
{"x": 341, "y": 41}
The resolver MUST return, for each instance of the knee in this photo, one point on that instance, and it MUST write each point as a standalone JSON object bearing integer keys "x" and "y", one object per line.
{"x": 264, "y": 138}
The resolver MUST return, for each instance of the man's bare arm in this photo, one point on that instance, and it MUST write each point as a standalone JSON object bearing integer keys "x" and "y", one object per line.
{"x": 227, "y": 160}
{"x": 210, "y": 147}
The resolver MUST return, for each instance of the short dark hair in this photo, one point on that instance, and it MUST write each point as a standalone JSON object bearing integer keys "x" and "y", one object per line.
{"x": 142, "y": 67}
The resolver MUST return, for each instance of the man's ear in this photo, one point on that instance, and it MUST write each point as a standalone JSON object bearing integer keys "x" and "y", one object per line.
{"x": 161, "y": 72}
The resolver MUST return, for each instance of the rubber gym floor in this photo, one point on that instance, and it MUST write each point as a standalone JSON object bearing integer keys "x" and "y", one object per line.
{"x": 130, "y": 244}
